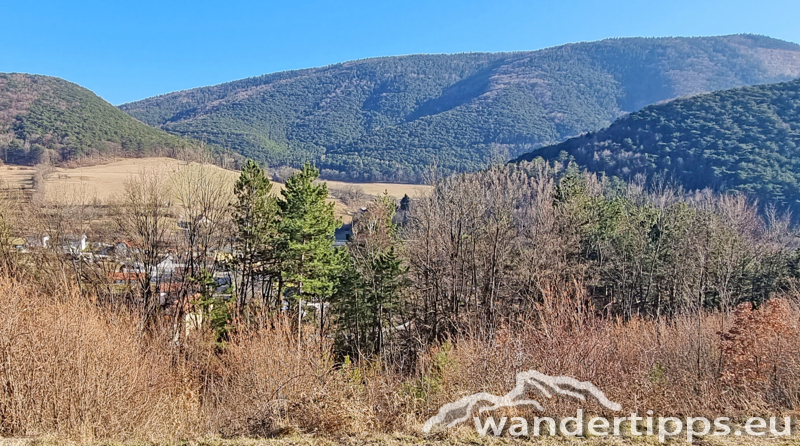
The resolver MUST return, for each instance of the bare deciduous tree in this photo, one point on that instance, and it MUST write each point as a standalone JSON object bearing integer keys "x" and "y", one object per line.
{"x": 145, "y": 220}
{"x": 203, "y": 195}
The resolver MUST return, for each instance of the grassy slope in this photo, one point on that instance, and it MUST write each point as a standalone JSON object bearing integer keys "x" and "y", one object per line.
{"x": 388, "y": 118}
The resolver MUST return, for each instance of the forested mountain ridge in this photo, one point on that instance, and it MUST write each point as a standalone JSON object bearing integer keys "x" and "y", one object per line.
{"x": 47, "y": 119}
{"x": 744, "y": 139}
{"x": 388, "y": 118}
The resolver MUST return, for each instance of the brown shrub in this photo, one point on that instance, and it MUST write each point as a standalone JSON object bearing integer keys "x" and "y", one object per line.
{"x": 759, "y": 352}
{"x": 76, "y": 371}
{"x": 679, "y": 367}
{"x": 267, "y": 385}
{"x": 72, "y": 369}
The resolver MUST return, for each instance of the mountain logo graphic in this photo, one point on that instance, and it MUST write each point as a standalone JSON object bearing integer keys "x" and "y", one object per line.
{"x": 457, "y": 412}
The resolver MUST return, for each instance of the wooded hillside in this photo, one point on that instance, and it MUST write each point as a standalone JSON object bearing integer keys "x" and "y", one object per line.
{"x": 745, "y": 139}
{"x": 389, "y": 118}
{"x": 47, "y": 119}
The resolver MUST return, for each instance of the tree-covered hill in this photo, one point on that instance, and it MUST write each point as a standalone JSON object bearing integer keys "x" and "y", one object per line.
{"x": 45, "y": 118}
{"x": 743, "y": 139}
{"x": 388, "y": 118}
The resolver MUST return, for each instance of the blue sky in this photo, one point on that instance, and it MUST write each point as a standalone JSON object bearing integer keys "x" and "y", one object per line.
{"x": 129, "y": 50}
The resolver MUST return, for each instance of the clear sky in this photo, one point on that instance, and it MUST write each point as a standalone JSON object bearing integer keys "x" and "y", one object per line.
{"x": 129, "y": 50}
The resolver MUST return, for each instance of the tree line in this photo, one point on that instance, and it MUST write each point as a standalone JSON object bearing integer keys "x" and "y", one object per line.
{"x": 512, "y": 245}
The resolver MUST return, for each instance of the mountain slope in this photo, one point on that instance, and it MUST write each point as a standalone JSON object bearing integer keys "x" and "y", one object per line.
{"x": 45, "y": 118}
{"x": 744, "y": 139}
{"x": 388, "y": 118}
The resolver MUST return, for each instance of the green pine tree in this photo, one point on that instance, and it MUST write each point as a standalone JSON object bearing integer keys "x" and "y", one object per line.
{"x": 258, "y": 241}
{"x": 311, "y": 262}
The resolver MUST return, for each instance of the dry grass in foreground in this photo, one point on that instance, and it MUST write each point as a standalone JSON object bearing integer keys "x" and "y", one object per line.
{"x": 460, "y": 438}
{"x": 75, "y": 372}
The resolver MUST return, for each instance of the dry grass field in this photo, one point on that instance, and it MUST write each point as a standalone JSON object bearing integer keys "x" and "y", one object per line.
{"x": 106, "y": 181}
{"x": 103, "y": 181}
{"x": 394, "y": 189}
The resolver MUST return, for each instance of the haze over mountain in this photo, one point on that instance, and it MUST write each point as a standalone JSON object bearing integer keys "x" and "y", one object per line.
{"x": 388, "y": 118}
{"x": 743, "y": 139}
{"x": 47, "y": 119}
